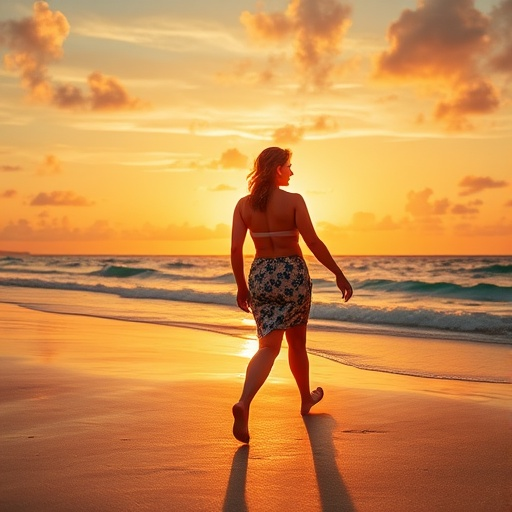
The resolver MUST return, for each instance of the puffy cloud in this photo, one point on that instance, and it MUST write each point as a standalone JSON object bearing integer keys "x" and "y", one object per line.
{"x": 60, "y": 198}
{"x": 447, "y": 43}
{"x": 439, "y": 38}
{"x": 10, "y": 168}
{"x": 316, "y": 28}
{"x": 50, "y": 165}
{"x": 268, "y": 27}
{"x": 233, "y": 159}
{"x": 34, "y": 43}
{"x": 8, "y": 194}
{"x": 474, "y": 184}
{"x": 501, "y": 31}
{"x": 230, "y": 159}
{"x": 288, "y": 134}
{"x": 475, "y": 97}
{"x": 106, "y": 93}
{"x": 419, "y": 205}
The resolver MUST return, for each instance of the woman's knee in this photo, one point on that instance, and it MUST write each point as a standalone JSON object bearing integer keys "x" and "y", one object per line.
{"x": 296, "y": 338}
{"x": 272, "y": 342}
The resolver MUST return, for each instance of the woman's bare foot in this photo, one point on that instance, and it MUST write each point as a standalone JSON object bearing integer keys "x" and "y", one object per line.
{"x": 315, "y": 397}
{"x": 240, "y": 426}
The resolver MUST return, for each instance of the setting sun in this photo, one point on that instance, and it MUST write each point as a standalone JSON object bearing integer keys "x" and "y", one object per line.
{"x": 133, "y": 132}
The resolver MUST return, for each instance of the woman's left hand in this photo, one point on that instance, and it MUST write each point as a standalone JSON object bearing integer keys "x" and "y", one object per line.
{"x": 243, "y": 299}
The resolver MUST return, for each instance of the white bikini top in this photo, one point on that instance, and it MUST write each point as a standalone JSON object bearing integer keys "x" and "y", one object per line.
{"x": 293, "y": 232}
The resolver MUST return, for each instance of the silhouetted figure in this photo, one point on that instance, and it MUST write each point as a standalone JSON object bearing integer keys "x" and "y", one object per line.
{"x": 278, "y": 291}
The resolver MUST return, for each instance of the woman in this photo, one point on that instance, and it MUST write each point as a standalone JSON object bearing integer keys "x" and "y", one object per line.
{"x": 279, "y": 288}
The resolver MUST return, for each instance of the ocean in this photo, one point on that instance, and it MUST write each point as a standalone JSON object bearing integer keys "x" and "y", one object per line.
{"x": 420, "y": 305}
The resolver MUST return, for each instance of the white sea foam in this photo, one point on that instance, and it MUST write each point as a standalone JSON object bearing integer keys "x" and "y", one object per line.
{"x": 455, "y": 295}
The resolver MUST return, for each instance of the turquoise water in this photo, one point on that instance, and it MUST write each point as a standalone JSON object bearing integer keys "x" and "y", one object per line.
{"x": 427, "y": 303}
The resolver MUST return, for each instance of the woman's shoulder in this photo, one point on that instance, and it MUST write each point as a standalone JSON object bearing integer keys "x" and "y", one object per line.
{"x": 242, "y": 201}
{"x": 291, "y": 196}
{"x": 285, "y": 193}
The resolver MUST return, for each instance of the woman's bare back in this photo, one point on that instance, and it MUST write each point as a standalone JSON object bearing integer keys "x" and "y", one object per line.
{"x": 274, "y": 231}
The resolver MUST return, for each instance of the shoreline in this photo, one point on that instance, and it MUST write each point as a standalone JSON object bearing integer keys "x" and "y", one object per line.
{"x": 101, "y": 414}
{"x": 321, "y": 335}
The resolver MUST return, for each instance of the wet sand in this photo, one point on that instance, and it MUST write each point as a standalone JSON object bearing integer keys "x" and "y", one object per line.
{"x": 108, "y": 415}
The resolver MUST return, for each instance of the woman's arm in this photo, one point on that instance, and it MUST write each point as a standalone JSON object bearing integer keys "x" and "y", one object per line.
{"x": 318, "y": 248}
{"x": 238, "y": 234}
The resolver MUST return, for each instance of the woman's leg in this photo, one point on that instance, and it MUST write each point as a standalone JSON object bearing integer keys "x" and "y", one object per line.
{"x": 299, "y": 365}
{"x": 257, "y": 372}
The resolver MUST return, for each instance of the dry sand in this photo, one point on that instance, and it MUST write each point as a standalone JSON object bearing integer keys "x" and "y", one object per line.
{"x": 102, "y": 415}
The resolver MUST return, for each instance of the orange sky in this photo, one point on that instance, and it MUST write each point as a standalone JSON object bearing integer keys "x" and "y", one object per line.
{"x": 132, "y": 130}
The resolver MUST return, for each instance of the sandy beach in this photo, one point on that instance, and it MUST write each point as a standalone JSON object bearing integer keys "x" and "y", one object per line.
{"x": 109, "y": 415}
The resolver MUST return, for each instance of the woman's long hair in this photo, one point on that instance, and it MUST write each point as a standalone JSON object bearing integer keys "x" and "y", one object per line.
{"x": 262, "y": 178}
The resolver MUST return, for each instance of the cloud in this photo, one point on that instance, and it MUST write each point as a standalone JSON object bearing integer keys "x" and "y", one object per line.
{"x": 50, "y": 165}
{"x": 222, "y": 188}
{"x": 61, "y": 229}
{"x": 288, "y": 134}
{"x": 233, "y": 159}
{"x": 501, "y": 32}
{"x": 36, "y": 42}
{"x": 10, "y": 168}
{"x": 474, "y": 184}
{"x": 476, "y": 97}
{"x": 467, "y": 209}
{"x": 324, "y": 123}
{"x": 316, "y": 29}
{"x": 366, "y": 221}
{"x": 444, "y": 43}
{"x": 268, "y": 27}
{"x": 8, "y": 194}
{"x": 60, "y": 198}
{"x": 106, "y": 93}
{"x": 419, "y": 205}
{"x": 500, "y": 229}
{"x": 291, "y": 134}
{"x": 174, "y": 232}
{"x": 244, "y": 71}
{"x": 332, "y": 230}
{"x": 439, "y": 38}
{"x": 56, "y": 229}
{"x": 230, "y": 159}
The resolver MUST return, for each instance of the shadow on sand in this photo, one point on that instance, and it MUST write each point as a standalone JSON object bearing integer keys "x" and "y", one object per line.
{"x": 333, "y": 493}
{"x": 334, "y": 496}
{"x": 234, "y": 500}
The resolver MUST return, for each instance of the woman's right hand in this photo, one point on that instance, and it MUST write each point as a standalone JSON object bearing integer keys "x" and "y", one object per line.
{"x": 344, "y": 286}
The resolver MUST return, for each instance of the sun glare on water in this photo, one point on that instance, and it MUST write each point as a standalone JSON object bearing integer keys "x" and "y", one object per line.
{"x": 249, "y": 347}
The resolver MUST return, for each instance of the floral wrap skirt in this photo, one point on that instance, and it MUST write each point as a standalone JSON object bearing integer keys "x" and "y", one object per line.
{"x": 280, "y": 291}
